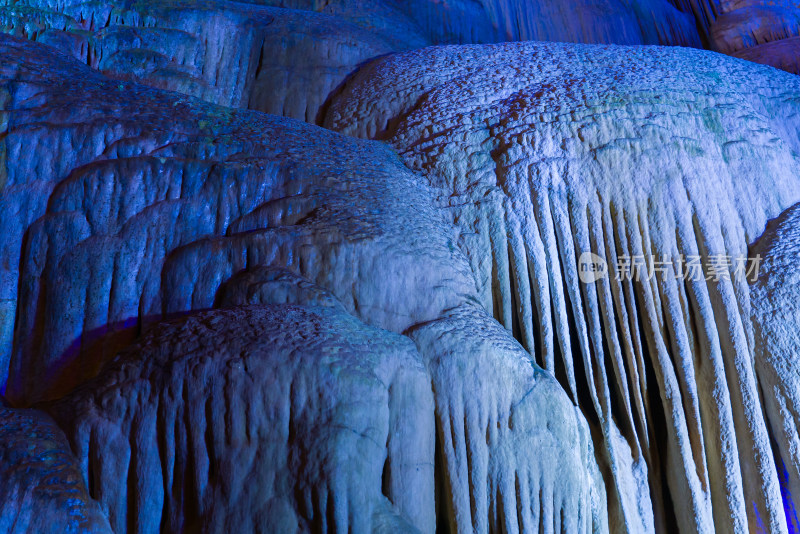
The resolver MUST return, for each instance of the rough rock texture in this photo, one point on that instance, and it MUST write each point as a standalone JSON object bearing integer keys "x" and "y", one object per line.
{"x": 125, "y": 205}
{"x": 275, "y": 60}
{"x": 259, "y": 419}
{"x": 541, "y": 152}
{"x": 776, "y": 315}
{"x": 41, "y": 487}
{"x": 500, "y": 444}
{"x": 268, "y": 285}
{"x": 288, "y": 61}
{"x": 758, "y": 30}
{"x": 783, "y": 54}
{"x": 486, "y": 21}
{"x": 287, "y": 56}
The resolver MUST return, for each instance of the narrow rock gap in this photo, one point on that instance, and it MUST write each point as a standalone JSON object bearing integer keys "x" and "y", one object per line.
{"x": 208, "y": 435}
{"x": 616, "y": 401}
{"x": 560, "y": 370}
{"x": 441, "y": 491}
{"x": 664, "y": 510}
{"x": 581, "y": 382}
{"x": 538, "y": 349}
{"x": 635, "y": 423}
{"x": 516, "y": 311}
{"x": 163, "y": 454}
{"x": 132, "y": 512}
{"x": 90, "y": 468}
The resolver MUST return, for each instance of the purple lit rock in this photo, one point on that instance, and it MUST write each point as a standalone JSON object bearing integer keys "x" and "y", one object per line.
{"x": 259, "y": 418}
{"x": 42, "y": 490}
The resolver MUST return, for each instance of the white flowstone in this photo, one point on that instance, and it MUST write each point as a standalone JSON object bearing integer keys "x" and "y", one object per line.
{"x": 541, "y": 152}
{"x": 516, "y": 458}
{"x": 131, "y": 204}
{"x": 775, "y": 298}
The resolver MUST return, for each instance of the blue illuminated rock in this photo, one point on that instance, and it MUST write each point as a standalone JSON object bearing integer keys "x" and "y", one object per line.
{"x": 260, "y": 418}
{"x": 776, "y": 316}
{"x": 288, "y": 61}
{"x": 543, "y": 151}
{"x": 127, "y": 205}
{"x": 42, "y": 490}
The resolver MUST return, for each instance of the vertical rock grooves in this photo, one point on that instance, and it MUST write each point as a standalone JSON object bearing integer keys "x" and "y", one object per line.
{"x": 241, "y": 55}
{"x": 496, "y": 482}
{"x": 43, "y": 491}
{"x": 550, "y": 151}
{"x": 113, "y": 227}
{"x": 259, "y": 419}
{"x": 296, "y": 409}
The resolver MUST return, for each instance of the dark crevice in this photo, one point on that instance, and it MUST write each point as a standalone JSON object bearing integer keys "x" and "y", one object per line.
{"x": 582, "y": 388}
{"x": 209, "y": 441}
{"x": 628, "y": 375}
{"x": 537, "y": 350}
{"x": 516, "y": 327}
{"x": 560, "y": 366}
{"x": 616, "y": 397}
{"x": 664, "y": 511}
{"x": 441, "y": 492}
{"x": 132, "y": 515}
{"x": 386, "y": 476}
{"x": 789, "y": 509}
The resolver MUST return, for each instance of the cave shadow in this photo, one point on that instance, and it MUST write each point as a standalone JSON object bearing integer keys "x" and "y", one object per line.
{"x": 88, "y": 355}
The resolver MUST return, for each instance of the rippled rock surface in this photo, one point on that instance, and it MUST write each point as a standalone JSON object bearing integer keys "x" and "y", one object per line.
{"x": 259, "y": 419}
{"x": 541, "y": 152}
{"x": 296, "y": 257}
{"x": 776, "y": 318}
{"x": 42, "y": 488}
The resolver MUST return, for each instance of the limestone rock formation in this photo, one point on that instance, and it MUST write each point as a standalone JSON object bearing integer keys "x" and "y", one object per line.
{"x": 42, "y": 489}
{"x": 777, "y": 344}
{"x": 147, "y": 205}
{"x": 287, "y": 57}
{"x": 499, "y": 444}
{"x": 542, "y": 152}
{"x": 762, "y": 31}
{"x": 259, "y": 419}
{"x": 488, "y": 21}
{"x": 509, "y": 289}
{"x": 276, "y": 60}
